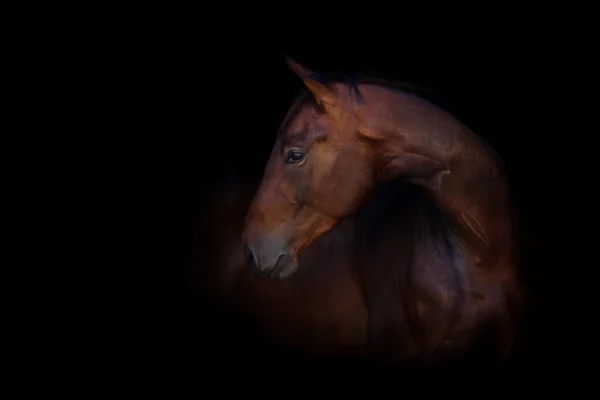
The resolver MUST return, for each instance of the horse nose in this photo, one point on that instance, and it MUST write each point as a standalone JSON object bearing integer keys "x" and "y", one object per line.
{"x": 250, "y": 259}
{"x": 271, "y": 261}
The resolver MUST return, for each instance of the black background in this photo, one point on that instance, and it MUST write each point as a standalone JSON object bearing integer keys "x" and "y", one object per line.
{"x": 192, "y": 104}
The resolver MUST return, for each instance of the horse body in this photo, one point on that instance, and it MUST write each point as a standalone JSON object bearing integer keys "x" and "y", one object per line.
{"x": 390, "y": 226}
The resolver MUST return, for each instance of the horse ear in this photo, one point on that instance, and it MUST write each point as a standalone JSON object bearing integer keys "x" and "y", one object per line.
{"x": 322, "y": 93}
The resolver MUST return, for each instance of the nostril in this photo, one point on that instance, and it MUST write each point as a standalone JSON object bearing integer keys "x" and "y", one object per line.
{"x": 249, "y": 258}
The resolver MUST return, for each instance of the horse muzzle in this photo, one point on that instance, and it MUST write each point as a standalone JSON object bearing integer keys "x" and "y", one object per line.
{"x": 270, "y": 259}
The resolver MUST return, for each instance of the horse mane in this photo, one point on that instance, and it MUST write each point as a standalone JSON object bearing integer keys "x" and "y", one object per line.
{"x": 397, "y": 204}
{"x": 393, "y": 229}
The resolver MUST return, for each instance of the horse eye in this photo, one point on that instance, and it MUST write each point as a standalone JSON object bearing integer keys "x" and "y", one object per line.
{"x": 294, "y": 157}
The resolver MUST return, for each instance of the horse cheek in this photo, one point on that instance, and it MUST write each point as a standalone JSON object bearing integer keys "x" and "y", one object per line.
{"x": 343, "y": 192}
{"x": 318, "y": 191}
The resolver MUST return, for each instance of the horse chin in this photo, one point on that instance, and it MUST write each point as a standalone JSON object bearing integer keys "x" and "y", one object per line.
{"x": 286, "y": 267}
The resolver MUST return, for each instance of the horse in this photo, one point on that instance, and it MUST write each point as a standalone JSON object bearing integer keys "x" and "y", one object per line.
{"x": 383, "y": 228}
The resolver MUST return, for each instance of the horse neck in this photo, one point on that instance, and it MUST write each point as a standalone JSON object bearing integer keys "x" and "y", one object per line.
{"x": 431, "y": 148}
